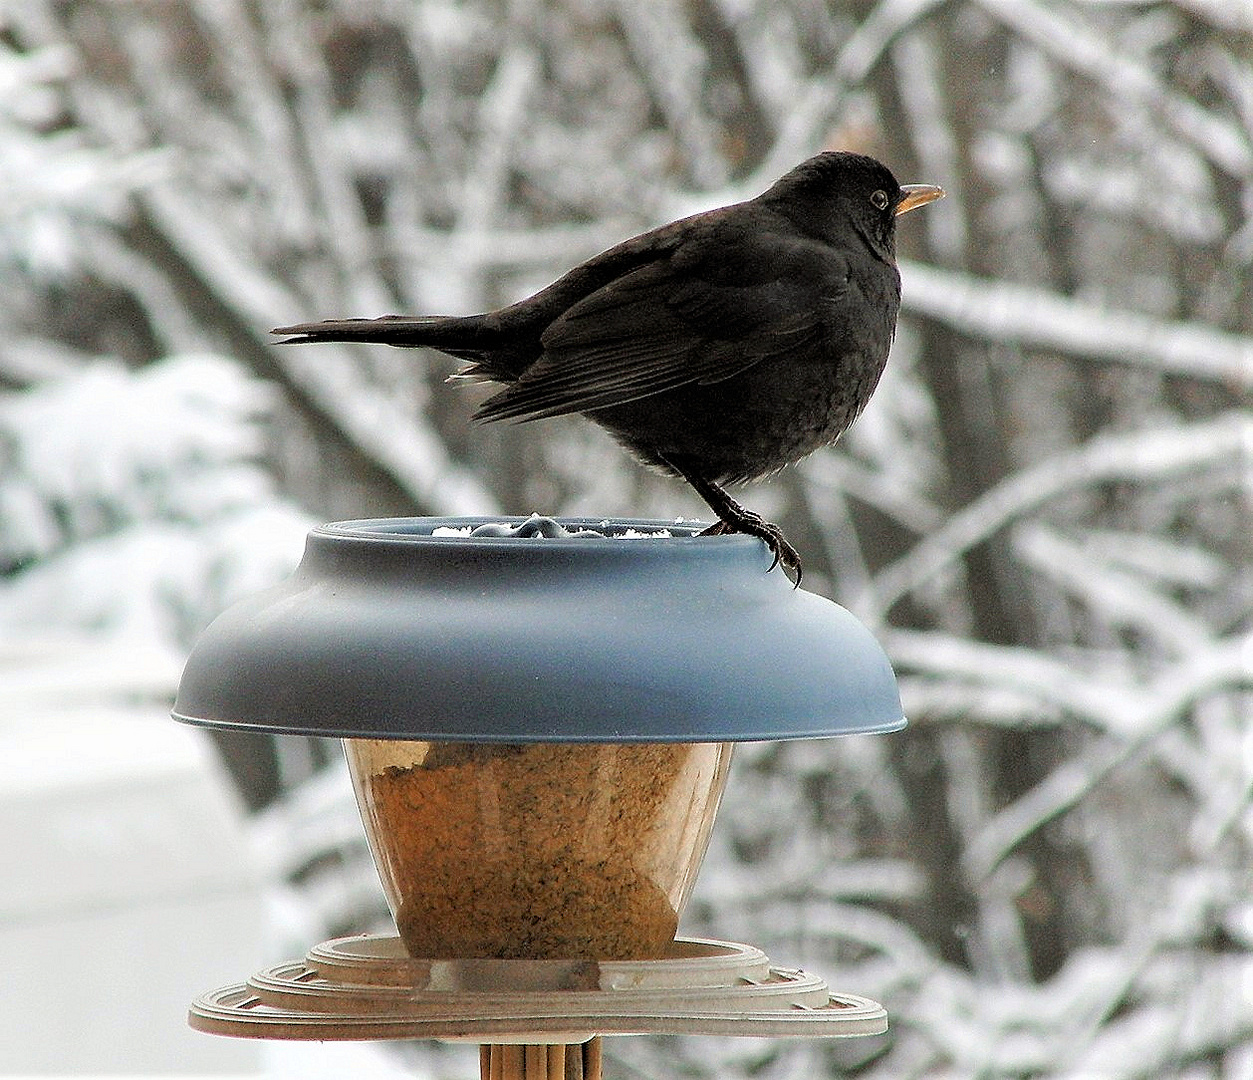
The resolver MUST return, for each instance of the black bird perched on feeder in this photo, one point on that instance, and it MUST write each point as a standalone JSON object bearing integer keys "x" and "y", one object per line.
{"x": 718, "y": 348}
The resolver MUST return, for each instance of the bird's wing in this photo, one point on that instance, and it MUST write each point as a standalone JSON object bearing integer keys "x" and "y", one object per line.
{"x": 671, "y": 323}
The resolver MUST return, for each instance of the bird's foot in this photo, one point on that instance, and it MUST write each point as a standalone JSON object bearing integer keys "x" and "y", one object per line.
{"x": 746, "y": 521}
{"x": 733, "y": 518}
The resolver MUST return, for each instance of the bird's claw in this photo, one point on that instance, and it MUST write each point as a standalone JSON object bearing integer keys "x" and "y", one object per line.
{"x": 752, "y": 524}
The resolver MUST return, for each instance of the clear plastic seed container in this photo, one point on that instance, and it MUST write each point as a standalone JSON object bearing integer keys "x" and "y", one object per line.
{"x": 537, "y": 850}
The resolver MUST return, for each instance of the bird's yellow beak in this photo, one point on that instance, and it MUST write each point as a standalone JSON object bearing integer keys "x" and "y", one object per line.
{"x": 917, "y": 195}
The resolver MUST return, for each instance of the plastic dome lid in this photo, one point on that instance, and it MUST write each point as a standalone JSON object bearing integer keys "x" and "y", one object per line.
{"x": 639, "y": 631}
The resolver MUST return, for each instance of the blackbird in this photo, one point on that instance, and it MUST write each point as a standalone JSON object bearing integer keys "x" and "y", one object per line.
{"x": 718, "y": 348}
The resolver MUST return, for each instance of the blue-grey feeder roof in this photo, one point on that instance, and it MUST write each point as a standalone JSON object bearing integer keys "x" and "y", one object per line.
{"x": 386, "y": 631}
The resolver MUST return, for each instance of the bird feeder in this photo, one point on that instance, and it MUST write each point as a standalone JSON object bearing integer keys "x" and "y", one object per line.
{"x": 538, "y": 718}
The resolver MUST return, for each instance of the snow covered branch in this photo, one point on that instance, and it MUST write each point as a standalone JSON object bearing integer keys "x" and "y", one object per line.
{"x": 1036, "y": 318}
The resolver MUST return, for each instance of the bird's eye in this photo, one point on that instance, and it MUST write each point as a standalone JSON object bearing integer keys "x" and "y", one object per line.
{"x": 880, "y": 200}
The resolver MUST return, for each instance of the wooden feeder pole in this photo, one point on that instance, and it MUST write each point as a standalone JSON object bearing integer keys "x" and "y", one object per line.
{"x": 561, "y": 1061}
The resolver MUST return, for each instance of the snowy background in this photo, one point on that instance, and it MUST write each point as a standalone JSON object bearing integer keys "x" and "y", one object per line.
{"x": 1044, "y": 514}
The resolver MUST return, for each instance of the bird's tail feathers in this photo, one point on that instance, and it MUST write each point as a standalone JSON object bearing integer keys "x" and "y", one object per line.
{"x": 459, "y": 335}
{"x": 474, "y": 373}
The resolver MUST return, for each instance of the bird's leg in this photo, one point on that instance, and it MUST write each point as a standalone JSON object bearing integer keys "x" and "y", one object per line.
{"x": 733, "y": 518}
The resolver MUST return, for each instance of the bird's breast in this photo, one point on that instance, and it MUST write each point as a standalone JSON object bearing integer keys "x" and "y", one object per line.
{"x": 749, "y": 426}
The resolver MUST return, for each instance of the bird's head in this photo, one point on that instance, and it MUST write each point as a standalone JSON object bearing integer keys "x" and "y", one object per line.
{"x": 837, "y": 196}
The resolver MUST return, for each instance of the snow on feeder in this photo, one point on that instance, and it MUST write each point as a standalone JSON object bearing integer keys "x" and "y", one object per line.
{"x": 538, "y": 718}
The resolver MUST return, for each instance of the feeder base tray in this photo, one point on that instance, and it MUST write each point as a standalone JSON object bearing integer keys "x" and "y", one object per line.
{"x": 368, "y": 988}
